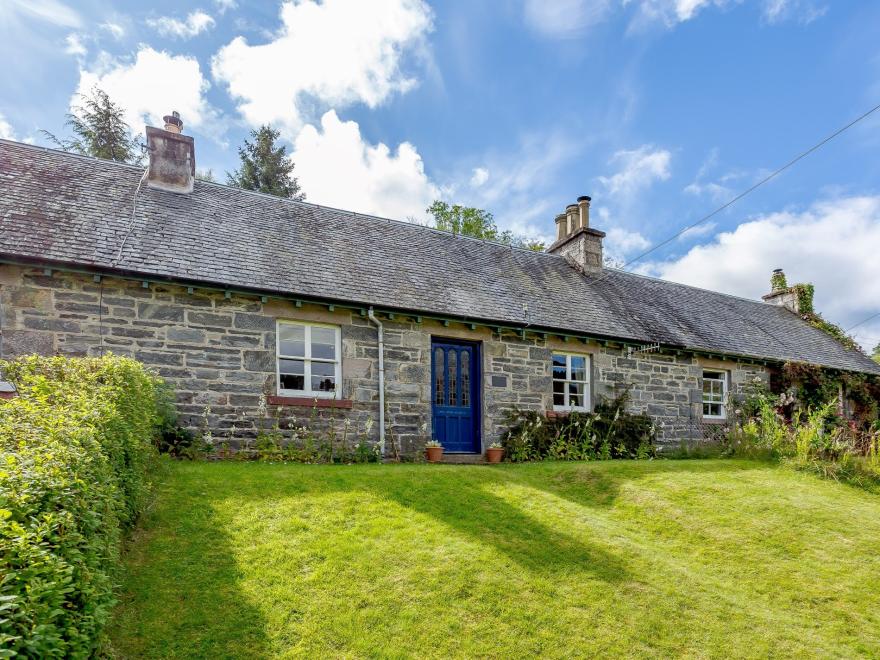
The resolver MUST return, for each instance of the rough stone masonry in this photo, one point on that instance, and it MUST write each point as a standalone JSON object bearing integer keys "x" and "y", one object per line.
{"x": 218, "y": 353}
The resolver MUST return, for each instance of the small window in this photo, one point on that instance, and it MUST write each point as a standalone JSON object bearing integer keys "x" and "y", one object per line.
{"x": 715, "y": 394}
{"x": 571, "y": 382}
{"x": 308, "y": 359}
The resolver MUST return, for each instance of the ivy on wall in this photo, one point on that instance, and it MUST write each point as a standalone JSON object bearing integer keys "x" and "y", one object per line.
{"x": 814, "y": 386}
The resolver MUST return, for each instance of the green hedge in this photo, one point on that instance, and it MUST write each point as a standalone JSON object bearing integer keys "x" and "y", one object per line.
{"x": 75, "y": 451}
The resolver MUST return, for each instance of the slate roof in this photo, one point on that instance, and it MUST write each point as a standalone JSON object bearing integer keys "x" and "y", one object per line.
{"x": 74, "y": 210}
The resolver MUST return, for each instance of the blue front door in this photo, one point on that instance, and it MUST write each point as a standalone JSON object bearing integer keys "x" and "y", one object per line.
{"x": 455, "y": 392}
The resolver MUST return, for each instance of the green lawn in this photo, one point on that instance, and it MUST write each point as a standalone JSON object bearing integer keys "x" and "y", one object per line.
{"x": 695, "y": 558}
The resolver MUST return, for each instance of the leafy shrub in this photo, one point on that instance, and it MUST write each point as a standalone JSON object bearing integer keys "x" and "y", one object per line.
{"x": 75, "y": 449}
{"x": 171, "y": 439}
{"x": 608, "y": 432}
{"x": 814, "y": 439}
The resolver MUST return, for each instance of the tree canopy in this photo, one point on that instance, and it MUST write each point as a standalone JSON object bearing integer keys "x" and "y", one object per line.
{"x": 876, "y": 353}
{"x": 99, "y": 129}
{"x": 265, "y": 166}
{"x": 478, "y": 223}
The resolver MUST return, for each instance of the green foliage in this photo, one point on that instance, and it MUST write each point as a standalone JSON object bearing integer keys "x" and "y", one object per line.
{"x": 777, "y": 281}
{"x": 266, "y": 167}
{"x": 171, "y": 439}
{"x": 804, "y": 294}
{"x": 99, "y": 129}
{"x": 76, "y": 448}
{"x": 875, "y": 354}
{"x": 477, "y": 223}
{"x": 813, "y": 439}
{"x": 609, "y": 432}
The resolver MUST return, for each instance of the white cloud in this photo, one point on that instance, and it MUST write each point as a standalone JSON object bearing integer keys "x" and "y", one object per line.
{"x": 73, "y": 45}
{"x": 479, "y": 177}
{"x": 115, "y": 30}
{"x": 196, "y": 22}
{"x": 803, "y": 11}
{"x": 50, "y": 11}
{"x": 336, "y": 167}
{"x": 672, "y": 12}
{"x": 151, "y": 86}
{"x": 834, "y": 244}
{"x": 332, "y": 54}
{"x": 621, "y": 243}
{"x": 6, "y": 131}
{"x": 638, "y": 169}
{"x": 564, "y": 18}
{"x": 224, "y": 6}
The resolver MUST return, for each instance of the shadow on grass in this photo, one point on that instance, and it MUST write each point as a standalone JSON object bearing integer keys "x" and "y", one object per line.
{"x": 180, "y": 597}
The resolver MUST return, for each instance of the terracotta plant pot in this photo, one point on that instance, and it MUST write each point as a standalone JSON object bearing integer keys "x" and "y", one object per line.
{"x": 434, "y": 454}
{"x": 494, "y": 454}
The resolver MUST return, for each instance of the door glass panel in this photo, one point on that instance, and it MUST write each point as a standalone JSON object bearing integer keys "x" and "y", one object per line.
{"x": 438, "y": 376}
{"x": 323, "y": 343}
{"x": 465, "y": 378}
{"x": 292, "y": 374}
{"x": 453, "y": 368}
{"x": 292, "y": 340}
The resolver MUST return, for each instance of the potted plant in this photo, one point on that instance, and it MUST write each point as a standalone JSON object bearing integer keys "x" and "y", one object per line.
{"x": 433, "y": 451}
{"x": 495, "y": 453}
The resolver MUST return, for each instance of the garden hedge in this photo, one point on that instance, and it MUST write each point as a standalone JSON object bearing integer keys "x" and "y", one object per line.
{"x": 75, "y": 451}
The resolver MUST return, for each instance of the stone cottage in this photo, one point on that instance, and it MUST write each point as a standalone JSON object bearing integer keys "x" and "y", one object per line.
{"x": 253, "y": 306}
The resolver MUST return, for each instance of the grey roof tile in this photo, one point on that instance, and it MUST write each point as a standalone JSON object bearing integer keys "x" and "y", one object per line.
{"x": 76, "y": 210}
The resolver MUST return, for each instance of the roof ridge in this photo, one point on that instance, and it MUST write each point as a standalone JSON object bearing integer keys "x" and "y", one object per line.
{"x": 226, "y": 186}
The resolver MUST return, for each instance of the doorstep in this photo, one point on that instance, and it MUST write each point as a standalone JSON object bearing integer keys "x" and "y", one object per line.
{"x": 464, "y": 458}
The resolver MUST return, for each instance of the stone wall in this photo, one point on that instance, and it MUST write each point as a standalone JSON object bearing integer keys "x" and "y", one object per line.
{"x": 219, "y": 354}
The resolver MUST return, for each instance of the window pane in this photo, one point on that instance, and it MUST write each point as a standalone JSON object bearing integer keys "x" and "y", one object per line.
{"x": 465, "y": 378}
{"x": 323, "y": 343}
{"x": 558, "y": 362}
{"x": 558, "y": 398}
{"x": 453, "y": 366}
{"x": 323, "y": 376}
{"x": 292, "y": 374}
{"x": 291, "y": 340}
{"x": 576, "y": 395}
{"x": 578, "y": 367}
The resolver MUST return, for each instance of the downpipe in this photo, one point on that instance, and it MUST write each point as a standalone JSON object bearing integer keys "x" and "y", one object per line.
{"x": 381, "y": 332}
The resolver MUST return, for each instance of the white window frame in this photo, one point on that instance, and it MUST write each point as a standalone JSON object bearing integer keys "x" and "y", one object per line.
{"x": 588, "y": 398}
{"x": 724, "y": 380}
{"x": 307, "y": 360}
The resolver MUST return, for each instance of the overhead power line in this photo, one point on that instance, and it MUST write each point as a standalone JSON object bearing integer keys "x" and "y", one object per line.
{"x": 760, "y": 183}
{"x": 863, "y": 321}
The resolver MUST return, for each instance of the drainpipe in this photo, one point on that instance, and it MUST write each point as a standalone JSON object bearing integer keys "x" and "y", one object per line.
{"x": 380, "y": 328}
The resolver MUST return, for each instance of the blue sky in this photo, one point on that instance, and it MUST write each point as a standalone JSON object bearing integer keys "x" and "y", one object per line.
{"x": 659, "y": 109}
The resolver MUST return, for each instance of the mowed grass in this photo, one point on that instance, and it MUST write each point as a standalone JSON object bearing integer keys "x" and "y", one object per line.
{"x": 711, "y": 558}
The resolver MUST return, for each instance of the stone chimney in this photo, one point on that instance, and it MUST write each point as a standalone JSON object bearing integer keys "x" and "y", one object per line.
{"x": 788, "y": 296}
{"x": 580, "y": 244}
{"x": 172, "y": 157}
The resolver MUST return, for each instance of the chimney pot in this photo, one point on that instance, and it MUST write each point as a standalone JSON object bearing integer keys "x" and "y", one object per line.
{"x": 560, "y": 226}
{"x": 173, "y": 123}
{"x": 584, "y": 207}
{"x": 571, "y": 212}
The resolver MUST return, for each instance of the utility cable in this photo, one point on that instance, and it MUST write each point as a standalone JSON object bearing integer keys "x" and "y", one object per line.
{"x": 760, "y": 183}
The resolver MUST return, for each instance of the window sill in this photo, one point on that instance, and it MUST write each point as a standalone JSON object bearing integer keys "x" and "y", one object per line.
{"x": 556, "y": 414}
{"x": 308, "y": 402}
{"x": 715, "y": 420}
